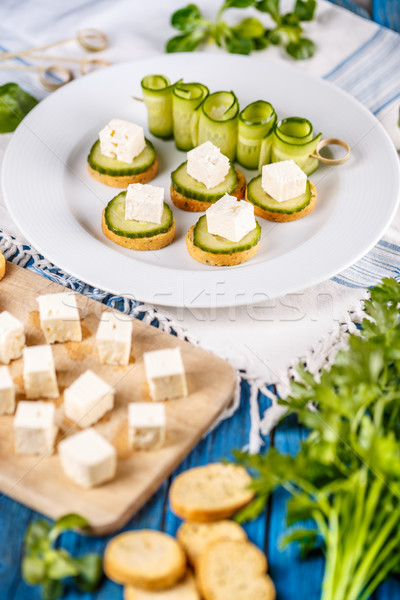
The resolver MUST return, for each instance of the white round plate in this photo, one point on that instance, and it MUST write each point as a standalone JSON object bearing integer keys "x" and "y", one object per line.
{"x": 58, "y": 206}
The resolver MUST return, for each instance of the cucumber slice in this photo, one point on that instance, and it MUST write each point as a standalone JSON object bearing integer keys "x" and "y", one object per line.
{"x": 256, "y": 121}
{"x": 293, "y": 138}
{"x": 218, "y": 122}
{"x": 186, "y": 185}
{"x": 219, "y": 245}
{"x": 257, "y": 196}
{"x": 186, "y": 98}
{"x": 115, "y": 219}
{"x": 157, "y": 96}
{"x": 112, "y": 166}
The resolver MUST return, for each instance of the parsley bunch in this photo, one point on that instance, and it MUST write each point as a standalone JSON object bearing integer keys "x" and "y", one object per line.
{"x": 44, "y": 565}
{"x": 248, "y": 35}
{"x": 346, "y": 476}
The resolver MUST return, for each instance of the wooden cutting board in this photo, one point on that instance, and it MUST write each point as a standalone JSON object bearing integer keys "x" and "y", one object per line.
{"x": 39, "y": 482}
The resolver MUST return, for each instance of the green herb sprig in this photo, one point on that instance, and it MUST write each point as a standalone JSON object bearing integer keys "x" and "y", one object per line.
{"x": 346, "y": 476}
{"x": 44, "y": 565}
{"x": 15, "y": 104}
{"x": 248, "y": 35}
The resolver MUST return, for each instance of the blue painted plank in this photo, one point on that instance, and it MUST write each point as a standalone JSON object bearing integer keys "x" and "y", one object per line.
{"x": 14, "y": 518}
{"x": 298, "y": 579}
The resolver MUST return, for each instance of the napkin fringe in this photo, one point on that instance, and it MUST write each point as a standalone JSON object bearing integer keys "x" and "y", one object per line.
{"x": 317, "y": 358}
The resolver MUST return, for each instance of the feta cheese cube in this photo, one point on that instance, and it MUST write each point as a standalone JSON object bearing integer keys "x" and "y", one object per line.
{"x": 122, "y": 140}
{"x": 7, "y": 392}
{"x": 59, "y": 318}
{"x": 147, "y": 425}
{"x": 12, "y": 337}
{"x": 207, "y": 164}
{"x": 34, "y": 427}
{"x": 165, "y": 374}
{"x": 39, "y": 372}
{"x": 230, "y": 218}
{"x": 88, "y": 399}
{"x": 88, "y": 458}
{"x": 144, "y": 202}
{"x": 114, "y": 338}
{"x": 283, "y": 180}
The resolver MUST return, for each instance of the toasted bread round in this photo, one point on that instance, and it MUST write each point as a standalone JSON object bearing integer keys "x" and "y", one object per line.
{"x": 210, "y": 493}
{"x": 124, "y": 180}
{"x": 186, "y": 589}
{"x": 285, "y": 218}
{"x": 191, "y": 205}
{"x": 196, "y": 537}
{"x": 155, "y": 242}
{"x": 217, "y": 260}
{"x": 2, "y": 266}
{"x": 146, "y": 559}
{"x": 234, "y": 570}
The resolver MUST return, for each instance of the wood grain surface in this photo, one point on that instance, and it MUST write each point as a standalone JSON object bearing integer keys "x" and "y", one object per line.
{"x": 38, "y": 481}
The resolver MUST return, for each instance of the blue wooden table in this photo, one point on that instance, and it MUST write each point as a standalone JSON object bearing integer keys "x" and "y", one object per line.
{"x": 295, "y": 579}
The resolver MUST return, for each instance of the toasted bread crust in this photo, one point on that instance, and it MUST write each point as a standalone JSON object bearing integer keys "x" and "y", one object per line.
{"x": 156, "y": 242}
{"x": 199, "y": 494}
{"x": 127, "y": 553}
{"x": 234, "y": 569}
{"x": 191, "y": 205}
{"x": 2, "y": 266}
{"x": 196, "y": 537}
{"x": 185, "y": 589}
{"x": 283, "y": 218}
{"x": 125, "y": 180}
{"x": 217, "y": 260}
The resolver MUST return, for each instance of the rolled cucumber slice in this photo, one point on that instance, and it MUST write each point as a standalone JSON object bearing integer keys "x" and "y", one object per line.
{"x": 219, "y": 245}
{"x": 189, "y": 187}
{"x": 257, "y": 196}
{"x": 186, "y": 98}
{"x": 293, "y": 139}
{"x": 112, "y": 166}
{"x": 256, "y": 121}
{"x": 115, "y": 220}
{"x": 157, "y": 96}
{"x": 218, "y": 122}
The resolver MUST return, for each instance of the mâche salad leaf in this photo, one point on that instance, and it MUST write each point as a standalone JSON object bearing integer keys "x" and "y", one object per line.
{"x": 47, "y": 566}
{"x": 250, "y": 33}
{"x": 346, "y": 477}
{"x": 15, "y": 104}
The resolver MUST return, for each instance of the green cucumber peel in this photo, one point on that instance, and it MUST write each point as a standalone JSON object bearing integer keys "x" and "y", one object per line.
{"x": 187, "y": 98}
{"x": 256, "y": 122}
{"x": 157, "y": 96}
{"x": 218, "y": 122}
{"x": 293, "y": 139}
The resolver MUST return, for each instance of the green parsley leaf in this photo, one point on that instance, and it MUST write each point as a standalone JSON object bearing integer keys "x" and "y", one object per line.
{"x": 250, "y": 28}
{"x": 305, "y": 9}
{"x": 15, "y": 104}
{"x": 186, "y": 19}
{"x": 301, "y": 49}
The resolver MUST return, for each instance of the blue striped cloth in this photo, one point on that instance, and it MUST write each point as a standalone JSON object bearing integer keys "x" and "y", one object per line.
{"x": 372, "y": 75}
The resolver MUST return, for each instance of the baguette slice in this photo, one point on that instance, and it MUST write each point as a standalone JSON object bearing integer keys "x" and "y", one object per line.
{"x": 234, "y": 570}
{"x": 210, "y": 493}
{"x": 2, "y": 266}
{"x": 277, "y": 217}
{"x": 191, "y": 205}
{"x": 196, "y": 537}
{"x": 122, "y": 181}
{"x": 147, "y": 559}
{"x": 218, "y": 260}
{"x": 155, "y": 242}
{"x": 186, "y": 589}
